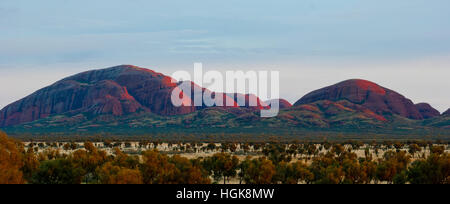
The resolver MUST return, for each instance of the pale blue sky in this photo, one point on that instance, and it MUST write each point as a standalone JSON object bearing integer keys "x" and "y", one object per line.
{"x": 41, "y": 41}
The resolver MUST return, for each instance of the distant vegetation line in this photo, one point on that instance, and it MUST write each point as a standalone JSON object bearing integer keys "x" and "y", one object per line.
{"x": 227, "y": 137}
{"x": 209, "y": 134}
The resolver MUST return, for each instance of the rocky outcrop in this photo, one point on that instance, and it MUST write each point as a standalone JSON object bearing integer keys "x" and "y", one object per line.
{"x": 226, "y": 100}
{"x": 378, "y": 99}
{"x": 446, "y": 113}
{"x": 117, "y": 91}
{"x": 427, "y": 111}
{"x": 283, "y": 103}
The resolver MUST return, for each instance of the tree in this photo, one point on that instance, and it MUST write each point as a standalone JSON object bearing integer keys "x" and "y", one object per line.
{"x": 124, "y": 160}
{"x": 292, "y": 173}
{"x": 367, "y": 153}
{"x": 89, "y": 161}
{"x": 333, "y": 169}
{"x": 398, "y": 146}
{"x": 332, "y": 175}
{"x": 243, "y": 168}
{"x": 30, "y": 164}
{"x": 245, "y": 147}
{"x": 354, "y": 173}
{"x": 437, "y": 150}
{"x": 89, "y": 147}
{"x": 73, "y": 146}
{"x": 10, "y": 161}
{"x": 188, "y": 171}
{"x": 433, "y": 170}
{"x": 413, "y": 149}
{"x": 66, "y": 147}
{"x": 110, "y": 174}
{"x": 107, "y": 143}
{"x": 128, "y": 176}
{"x": 337, "y": 149}
{"x": 392, "y": 164}
{"x": 211, "y": 147}
{"x": 282, "y": 173}
{"x": 60, "y": 171}
{"x": 156, "y": 168}
{"x": 369, "y": 167}
{"x": 327, "y": 145}
{"x": 260, "y": 171}
{"x": 400, "y": 178}
{"x": 300, "y": 173}
{"x": 276, "y": 153}
{"x": 222, "y": 166}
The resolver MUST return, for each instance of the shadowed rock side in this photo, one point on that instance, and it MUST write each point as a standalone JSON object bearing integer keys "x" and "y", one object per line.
{"x": 446, "y": 113}
{"x": 378, "y": 99}
{"x": 427, "y": 111}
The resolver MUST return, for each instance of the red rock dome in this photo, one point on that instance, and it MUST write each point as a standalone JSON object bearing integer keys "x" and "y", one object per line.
{"x": 368, "y": 94}
{"x": 118, "y": 90}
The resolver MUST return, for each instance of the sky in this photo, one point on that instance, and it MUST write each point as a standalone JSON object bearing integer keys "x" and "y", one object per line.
{"x": 403, "y": 45}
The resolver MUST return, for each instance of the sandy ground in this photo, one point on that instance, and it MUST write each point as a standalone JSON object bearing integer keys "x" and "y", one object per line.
{"x": 201, "y": 152}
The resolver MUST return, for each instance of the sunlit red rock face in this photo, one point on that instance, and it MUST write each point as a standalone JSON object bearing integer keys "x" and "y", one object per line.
{"x": 378, "y": 99}
{"x": 249, "y": 101}
{"x": 427, "y": 111}
{"x": 283, "y": 103}
{"x": 340, "y": 108}
{"x": 225, "y": 100}
{"x": 118, "y": 91}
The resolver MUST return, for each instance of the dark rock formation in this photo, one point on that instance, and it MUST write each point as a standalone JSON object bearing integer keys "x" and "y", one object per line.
{"x": 446, "y": 113}
{"x": 427, "y": 111}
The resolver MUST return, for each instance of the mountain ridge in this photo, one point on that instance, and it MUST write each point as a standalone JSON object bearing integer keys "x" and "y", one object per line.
{"x": 118, "y": 90}
{"x": 130, "y": 96}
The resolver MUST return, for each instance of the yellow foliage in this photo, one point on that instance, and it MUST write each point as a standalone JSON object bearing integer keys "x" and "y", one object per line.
{"x": 10, "y": 161}
{"x": 110, "y": 174}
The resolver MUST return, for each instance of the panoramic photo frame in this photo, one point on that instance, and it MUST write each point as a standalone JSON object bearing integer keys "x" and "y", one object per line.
{"x": 225, "y": 100}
